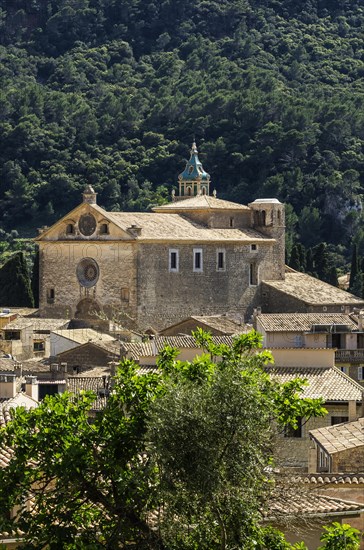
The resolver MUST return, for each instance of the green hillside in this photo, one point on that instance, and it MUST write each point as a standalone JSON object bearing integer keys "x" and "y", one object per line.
{"x": 112, "y": 92}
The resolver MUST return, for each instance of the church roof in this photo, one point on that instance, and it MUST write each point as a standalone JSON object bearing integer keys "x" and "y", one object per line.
{"x": 156, "y": 227}
{"x": 194, "y": 169}
{"x": 312, "y": 291}
{"x": 200, "y": 202}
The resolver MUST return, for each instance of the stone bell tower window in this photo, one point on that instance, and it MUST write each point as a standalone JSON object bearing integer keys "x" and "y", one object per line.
{"x": 50, "y": 295}
{"x": 253, "y": 274}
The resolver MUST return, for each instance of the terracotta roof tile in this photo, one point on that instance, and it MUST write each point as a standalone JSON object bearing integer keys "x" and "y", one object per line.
{"x": 309, "y": 504}
{"x": 329, "y": 383}
{"x": 287, "y": 322}
{"x": 153, "y": 347}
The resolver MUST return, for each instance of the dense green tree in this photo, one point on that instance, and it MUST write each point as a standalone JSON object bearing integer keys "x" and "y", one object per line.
{"x": 187, "y": 446}
{"x": 15, "y": 287}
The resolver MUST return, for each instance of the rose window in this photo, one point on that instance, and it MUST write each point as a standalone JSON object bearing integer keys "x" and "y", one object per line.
{"x": 87, "y": 272}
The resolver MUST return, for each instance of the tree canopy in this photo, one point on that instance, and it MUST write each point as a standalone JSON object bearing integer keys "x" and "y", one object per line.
{"x": 180, "y": 458}
{"x": 111, "y": 92}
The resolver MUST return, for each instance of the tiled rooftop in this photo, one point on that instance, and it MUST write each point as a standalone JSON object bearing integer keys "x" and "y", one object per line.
{"x": 204, "y": 202}
{"x": 153, "y": 347}
{"x": 293, "y": 322}
{"x": 309, "y": 504}
{"x": 38, "y": 323}
{"x": 313, "y": 291}
{"x": 84, "y": 335}
{"x": 174, "y": 227}
{"x": 330, "y": 479}
{"x": 341, "y": 437}
{"x": 329, "y": 383}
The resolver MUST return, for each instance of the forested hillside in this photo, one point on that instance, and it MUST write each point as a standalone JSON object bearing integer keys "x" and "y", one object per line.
{"x": 111, "y": 92}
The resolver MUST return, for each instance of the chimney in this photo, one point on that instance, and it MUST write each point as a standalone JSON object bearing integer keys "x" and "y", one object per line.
{"x": 7, "y": 385}
{"x": 135, "y": 230}
{"x": 31, "y": 387}
{"x": 352, "y": 410}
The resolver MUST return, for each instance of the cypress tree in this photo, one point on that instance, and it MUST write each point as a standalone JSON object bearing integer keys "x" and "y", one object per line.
{"x": 309, "y": 261}
{"x": 35, "y": 280}
{"x": 295, "y": 258}
{"x": 332, "y": 276}
{"x": 354, "y": 269}
{"x": 321, "y": 262}
{"x": 15, "y": 288}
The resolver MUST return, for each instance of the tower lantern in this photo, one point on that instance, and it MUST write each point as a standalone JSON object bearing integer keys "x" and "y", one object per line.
{"x": 193, "y": 180}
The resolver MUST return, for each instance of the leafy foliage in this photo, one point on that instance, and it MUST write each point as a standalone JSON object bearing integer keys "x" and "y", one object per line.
{"x": 174, "y": 460}
{"x": 339, "y": 536}
{"x": 15, "y": 288}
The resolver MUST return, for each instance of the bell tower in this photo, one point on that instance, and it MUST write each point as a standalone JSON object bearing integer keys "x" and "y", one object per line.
{"x": 193, "y": 180}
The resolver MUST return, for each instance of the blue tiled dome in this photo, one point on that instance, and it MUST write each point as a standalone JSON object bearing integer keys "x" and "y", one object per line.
{"x": 194, "y": 169}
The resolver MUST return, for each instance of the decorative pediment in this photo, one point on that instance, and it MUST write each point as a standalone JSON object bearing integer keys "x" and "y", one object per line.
{"x": 86, "y": 222}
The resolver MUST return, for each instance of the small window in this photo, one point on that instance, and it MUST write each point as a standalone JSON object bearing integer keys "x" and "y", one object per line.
{"x": 173, "y": 260}
{"x": 189, "y": 191}
{"x": 70, "y": 229}
{"x": 253, "y": 248}
{"x": 197, "y": 260}
{"x": 12, "y": 334}
{"x": 104, "y": 229}
{"x": 38, "y": 346}
{"x": 231, "y": 222}
{"x": 204, "y": 190}
{"x": 292, "y": 432}
{"x": 50, "y": 295}
{"x": 220, "y": 260}
{"x": 125, "y": 295}
{"x": 253, "y": 275}
{"x": 338, "y": 420}
{"x": 360, "y": 373}
{"x": 345, "y": 370}
{"x": 190, "y": 170}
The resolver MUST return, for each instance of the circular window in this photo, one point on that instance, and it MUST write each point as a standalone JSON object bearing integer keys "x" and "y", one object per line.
{"x": 87, "y": 272}
{"x": 87, "y": 224}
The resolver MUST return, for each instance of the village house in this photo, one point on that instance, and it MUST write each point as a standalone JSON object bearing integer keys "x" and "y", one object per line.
{"x": 293, "y": 335}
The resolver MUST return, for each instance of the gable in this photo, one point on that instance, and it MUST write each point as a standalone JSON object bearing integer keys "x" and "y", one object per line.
{"x": 85, "y": 222}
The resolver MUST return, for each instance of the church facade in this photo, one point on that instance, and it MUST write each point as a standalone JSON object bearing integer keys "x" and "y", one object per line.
{"x": 195, "y": 255}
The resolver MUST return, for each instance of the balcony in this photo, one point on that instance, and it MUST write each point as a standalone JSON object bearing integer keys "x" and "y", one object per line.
{"x": 349, "y": 356}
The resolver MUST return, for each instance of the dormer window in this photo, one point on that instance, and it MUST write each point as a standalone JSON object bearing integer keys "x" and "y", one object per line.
{"x": 104, "y": 229}
{"x": 70, "y": 229}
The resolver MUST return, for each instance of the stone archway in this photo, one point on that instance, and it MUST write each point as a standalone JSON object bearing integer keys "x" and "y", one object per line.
{"x": 88, "y": 308}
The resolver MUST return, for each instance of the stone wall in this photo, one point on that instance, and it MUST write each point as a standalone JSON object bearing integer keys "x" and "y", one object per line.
{"x": 350, "y": 460}
{"x": 165, "y": 297}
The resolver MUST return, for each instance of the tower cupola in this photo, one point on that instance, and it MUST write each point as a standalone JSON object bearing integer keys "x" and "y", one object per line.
{"x": 194, "y": 180}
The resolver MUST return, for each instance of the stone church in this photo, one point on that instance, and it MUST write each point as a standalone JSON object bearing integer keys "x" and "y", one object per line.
{"x": 195, "y": 255}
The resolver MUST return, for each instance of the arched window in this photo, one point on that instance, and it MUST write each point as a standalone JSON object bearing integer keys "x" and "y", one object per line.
{"x": 204, "y": 190}
{"x": 70, "y": 229}
{"x": 104, "y": 229}
{"x": 189, "y": 191}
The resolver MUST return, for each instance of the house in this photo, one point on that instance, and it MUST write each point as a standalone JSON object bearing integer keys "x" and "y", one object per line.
{"x": 343, "y": 399}
{"x": 300, "y": 513}
{"x": 338, "y": 448}
{"x": 27, "y": 337}
{"x": 63, "y": 340}
{"x": 89, "y": 355}
{"x": 288, "y": 333}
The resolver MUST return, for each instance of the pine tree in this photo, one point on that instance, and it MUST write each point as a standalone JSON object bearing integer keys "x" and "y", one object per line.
{"x": 15, "y": 288}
